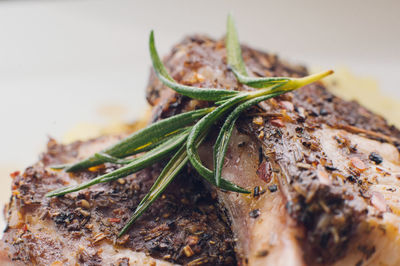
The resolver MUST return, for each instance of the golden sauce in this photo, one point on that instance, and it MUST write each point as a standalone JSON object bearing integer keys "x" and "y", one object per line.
{"x": 115, "y": 125}
{"x": 366, "y": 91}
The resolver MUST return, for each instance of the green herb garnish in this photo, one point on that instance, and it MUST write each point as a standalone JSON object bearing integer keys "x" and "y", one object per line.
{"x": 180, "y": 136}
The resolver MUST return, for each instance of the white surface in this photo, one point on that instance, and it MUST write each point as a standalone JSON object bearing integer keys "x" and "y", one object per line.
{"x": 61, "y": 60}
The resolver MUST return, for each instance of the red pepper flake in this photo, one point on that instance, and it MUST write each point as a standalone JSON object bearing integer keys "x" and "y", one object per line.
{"x": 383, "y": 171}
{"x": 287, "y": 105}
{"x": 264, "y": 172}
{"x": 118, "y": 212}
{"x": 114, "y": 220}
{"x": 285, "y": 116}
{"x": 14, "y": 174}
{"x": 323, "y": 177}
{"x": 98, "y": 237}
{"x": 277, "y": 123}
{"x": 123, "y": 239}
{"x": 358, "y": 164}
{"x": 378, "y": 201}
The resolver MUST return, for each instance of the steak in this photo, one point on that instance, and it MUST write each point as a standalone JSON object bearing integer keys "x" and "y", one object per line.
{"x": 324, "y": 173}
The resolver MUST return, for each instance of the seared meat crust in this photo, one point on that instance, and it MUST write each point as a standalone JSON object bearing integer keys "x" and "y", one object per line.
{"x": 329, "y": 202}
{"x": 183, "y": 226}
{"x": 201, "y": 61}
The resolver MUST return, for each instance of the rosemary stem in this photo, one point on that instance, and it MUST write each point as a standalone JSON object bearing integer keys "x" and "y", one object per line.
{"x": 292, "y": 84}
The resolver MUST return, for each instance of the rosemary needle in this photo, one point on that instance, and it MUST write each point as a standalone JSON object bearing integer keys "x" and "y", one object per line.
{"x": 204, "y": 125}
{"x": 174, "y": 166}
{"x": 235, "y": 61}
{"x": 221, "y": 144}
{"x": 206, "y": 94}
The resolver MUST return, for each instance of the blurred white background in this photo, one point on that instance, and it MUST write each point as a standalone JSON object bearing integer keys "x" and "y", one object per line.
{"x": 60, "y": 61}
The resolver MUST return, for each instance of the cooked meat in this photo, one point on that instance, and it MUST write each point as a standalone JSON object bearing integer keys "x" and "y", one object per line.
{"x": 183, "y": 227}
{"x": 256, "y": 219}
{"x": 324, "y": 174}
{"x": 325, "y": 171}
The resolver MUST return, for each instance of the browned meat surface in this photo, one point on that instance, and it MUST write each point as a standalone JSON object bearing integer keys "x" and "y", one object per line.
{"x": 183, "y": 227}
{"x": 325, "y": 174}
{"x": 328, "y": 169}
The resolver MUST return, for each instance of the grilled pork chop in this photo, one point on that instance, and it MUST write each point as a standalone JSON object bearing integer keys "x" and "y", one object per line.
{"x": 323, "y": 172}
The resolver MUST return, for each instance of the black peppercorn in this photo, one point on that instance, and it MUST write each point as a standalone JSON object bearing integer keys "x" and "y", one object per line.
{"x": 375, "y": 157}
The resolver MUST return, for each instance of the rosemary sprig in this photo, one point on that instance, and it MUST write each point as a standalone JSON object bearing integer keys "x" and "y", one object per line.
{"x": 135, "y": 165}
{"x": 181, "y": 135}
{"x": 142, "y": 140}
